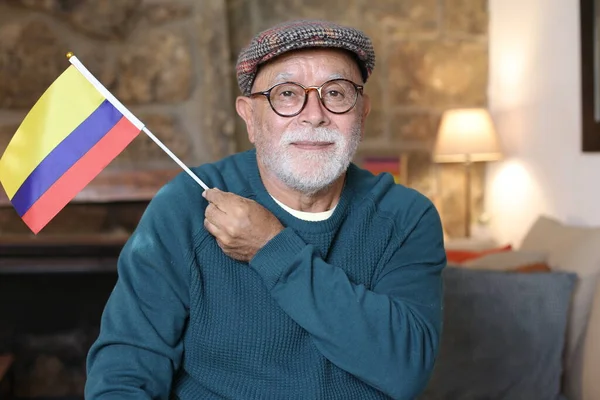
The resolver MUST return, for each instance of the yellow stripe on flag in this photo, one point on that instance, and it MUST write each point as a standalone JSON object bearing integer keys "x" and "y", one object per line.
{"x": 64, "y": 105}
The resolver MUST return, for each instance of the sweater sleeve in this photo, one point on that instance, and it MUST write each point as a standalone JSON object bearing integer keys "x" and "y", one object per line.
{"x": 387, "y": 336}
{"x": 140, "y": 342}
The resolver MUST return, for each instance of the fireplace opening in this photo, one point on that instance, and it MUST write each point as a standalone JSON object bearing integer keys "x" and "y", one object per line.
{"x": 51, "y": 302}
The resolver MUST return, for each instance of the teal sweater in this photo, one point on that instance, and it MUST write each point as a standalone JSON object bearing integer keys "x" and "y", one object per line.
{"x": 346, "y": 308}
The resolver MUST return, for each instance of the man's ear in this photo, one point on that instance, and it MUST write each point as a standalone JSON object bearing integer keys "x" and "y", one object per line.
{"x": 244, "y": 108}
{"x": 366, "y": 109}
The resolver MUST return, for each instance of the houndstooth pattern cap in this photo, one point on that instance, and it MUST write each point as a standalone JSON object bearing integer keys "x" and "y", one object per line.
{"x": 299, "y": 34}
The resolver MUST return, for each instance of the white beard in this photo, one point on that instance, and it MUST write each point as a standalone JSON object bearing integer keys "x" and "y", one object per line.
{"x": 308, "y": 171}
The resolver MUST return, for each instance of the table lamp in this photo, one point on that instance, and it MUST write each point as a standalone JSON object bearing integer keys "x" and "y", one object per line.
{"x": 465, "y": 136}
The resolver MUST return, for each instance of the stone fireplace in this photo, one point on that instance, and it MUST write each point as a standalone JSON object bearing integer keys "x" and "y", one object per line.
{"x": 51, "y": 300}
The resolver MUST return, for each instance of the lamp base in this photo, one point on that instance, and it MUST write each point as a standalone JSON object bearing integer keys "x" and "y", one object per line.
{"x": 467, "y": 165}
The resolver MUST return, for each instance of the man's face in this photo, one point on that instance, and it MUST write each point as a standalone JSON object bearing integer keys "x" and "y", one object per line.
{"x": 309, "y": 151}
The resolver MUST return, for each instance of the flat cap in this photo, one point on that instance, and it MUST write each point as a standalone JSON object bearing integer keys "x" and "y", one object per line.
{"x": 299, "y": 34}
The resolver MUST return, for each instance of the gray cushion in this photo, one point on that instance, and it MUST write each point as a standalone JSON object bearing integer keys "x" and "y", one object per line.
{"x": 503, "y": 335}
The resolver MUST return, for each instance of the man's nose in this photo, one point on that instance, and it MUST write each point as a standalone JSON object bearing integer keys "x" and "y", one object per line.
{"x": 314, "y": 113}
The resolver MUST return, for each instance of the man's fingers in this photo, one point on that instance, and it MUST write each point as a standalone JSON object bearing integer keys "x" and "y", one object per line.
{"x": 211, "y": 228}
{"x": 214, "y": 215}
{"x": 216, "y": 232}
{"x": 214, "y": 196}
{"x": 225, "y": 201}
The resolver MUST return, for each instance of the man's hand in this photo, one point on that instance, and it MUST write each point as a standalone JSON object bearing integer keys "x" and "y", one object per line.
{"x": 241, "y": 226}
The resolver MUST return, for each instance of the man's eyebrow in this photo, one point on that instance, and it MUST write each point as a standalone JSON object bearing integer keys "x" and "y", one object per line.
{"x": 336, "y": 76}
{"x": 282, "y": 77}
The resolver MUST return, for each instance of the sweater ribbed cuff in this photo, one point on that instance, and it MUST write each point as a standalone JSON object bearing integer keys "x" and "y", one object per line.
{"x": 276, "y": 256}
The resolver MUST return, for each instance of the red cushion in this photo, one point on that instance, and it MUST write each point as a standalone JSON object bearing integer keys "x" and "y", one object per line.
{"x": 460, "y": 256}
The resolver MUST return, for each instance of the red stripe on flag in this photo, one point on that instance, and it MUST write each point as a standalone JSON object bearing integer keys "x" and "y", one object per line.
{"x": 80, "y": 174}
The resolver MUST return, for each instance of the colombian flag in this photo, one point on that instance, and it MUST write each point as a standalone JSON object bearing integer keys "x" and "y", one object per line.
{"x": 70, "y": 135}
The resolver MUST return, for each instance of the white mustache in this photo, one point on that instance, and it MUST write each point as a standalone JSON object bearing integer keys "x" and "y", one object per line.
{"x": 311, "y": 135}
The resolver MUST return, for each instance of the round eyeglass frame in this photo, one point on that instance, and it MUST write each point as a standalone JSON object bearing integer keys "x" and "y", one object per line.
{"x": 307, "y": 89}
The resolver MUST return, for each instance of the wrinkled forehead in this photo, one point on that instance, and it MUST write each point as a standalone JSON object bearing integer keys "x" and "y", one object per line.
{"x": 336, "y": 63}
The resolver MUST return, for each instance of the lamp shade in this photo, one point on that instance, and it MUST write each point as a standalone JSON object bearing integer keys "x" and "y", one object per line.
{"x": 466, "y": 134}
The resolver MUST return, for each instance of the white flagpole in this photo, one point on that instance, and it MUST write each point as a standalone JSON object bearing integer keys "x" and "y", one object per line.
{"x": 129, "y": 115}
{"x": 174, "y": 157}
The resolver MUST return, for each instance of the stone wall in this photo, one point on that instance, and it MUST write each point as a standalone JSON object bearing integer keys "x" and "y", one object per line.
{"x": 172, "y": 63}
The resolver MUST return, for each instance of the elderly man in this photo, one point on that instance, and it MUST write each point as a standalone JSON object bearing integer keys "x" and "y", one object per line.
{"x": 298, "y": 275}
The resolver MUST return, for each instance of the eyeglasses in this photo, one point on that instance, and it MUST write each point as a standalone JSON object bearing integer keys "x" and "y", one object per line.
{"x": 288, "y": 99}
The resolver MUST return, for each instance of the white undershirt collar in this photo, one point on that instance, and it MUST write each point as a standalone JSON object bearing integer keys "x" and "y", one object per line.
{"x": 306, "y": 216}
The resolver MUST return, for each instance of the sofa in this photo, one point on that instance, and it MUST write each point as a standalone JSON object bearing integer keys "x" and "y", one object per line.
{"x": 522, "y": 322}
